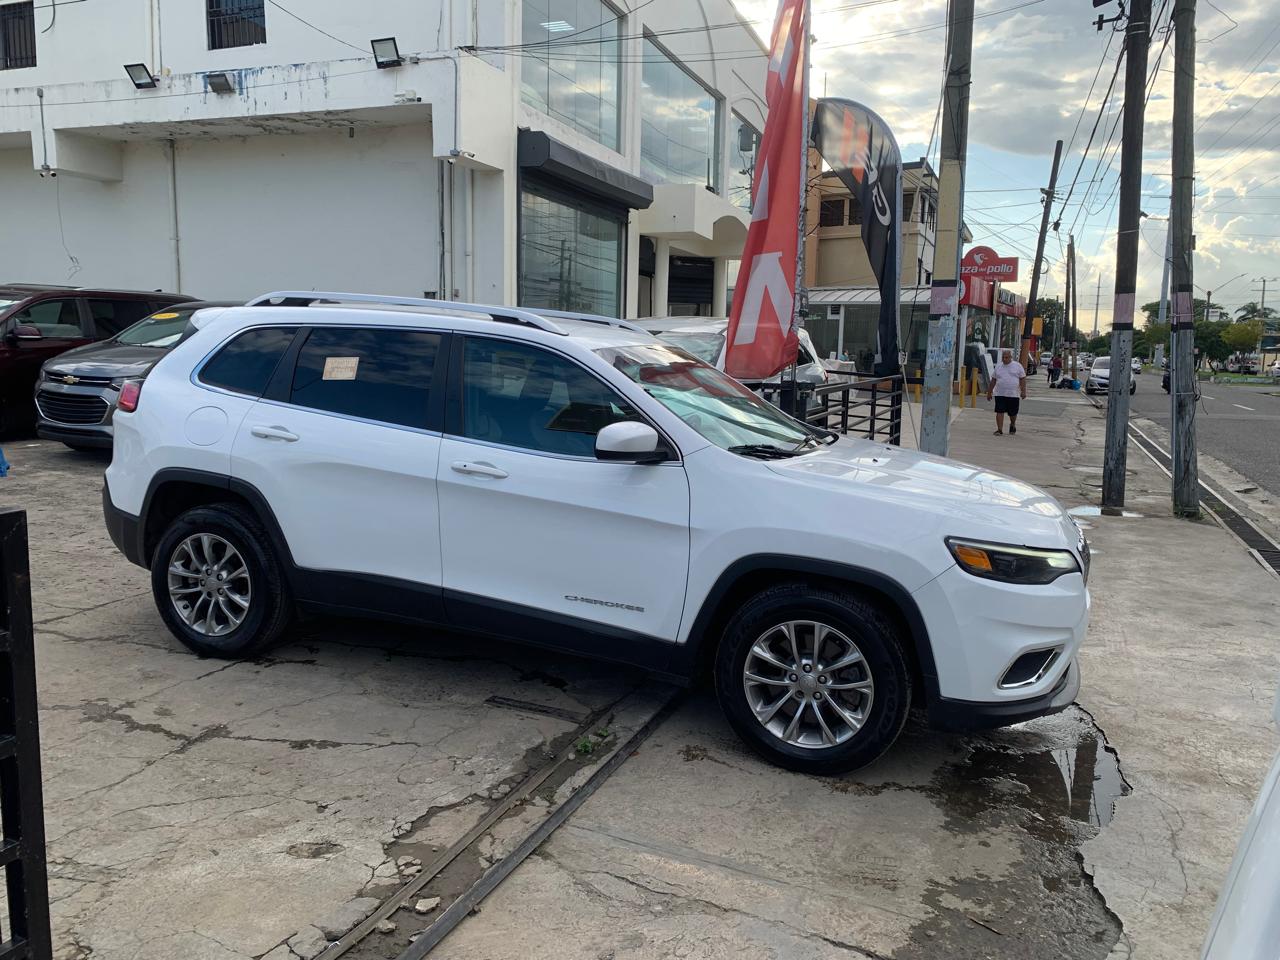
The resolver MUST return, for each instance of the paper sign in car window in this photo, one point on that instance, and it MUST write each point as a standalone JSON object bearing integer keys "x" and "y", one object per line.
{"x": 341, "y": 368}
{"x": 164, "y": 316}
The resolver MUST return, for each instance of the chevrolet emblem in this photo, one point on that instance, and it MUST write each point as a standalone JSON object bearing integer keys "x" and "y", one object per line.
{"x": 70, "y": 379}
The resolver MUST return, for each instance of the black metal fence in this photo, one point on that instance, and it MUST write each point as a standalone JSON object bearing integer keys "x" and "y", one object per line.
{"x": 17, "y": 36}
{"x": 236, "y": 23}
{"x": 870, "y": 407}
{"x": 22, "y": 850}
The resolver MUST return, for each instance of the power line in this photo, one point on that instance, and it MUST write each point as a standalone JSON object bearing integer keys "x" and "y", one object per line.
{"x": 308, "y": 23}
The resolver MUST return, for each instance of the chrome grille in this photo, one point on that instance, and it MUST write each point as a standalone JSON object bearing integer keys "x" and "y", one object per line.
{"x": 72, "y": 408}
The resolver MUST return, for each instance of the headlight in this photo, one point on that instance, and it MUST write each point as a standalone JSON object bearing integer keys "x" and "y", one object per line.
{"x": 1010, "y": 564}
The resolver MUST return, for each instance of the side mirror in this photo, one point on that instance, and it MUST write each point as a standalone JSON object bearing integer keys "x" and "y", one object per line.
{"x": 24, "y": 331}
{"x": 629, "y": 442}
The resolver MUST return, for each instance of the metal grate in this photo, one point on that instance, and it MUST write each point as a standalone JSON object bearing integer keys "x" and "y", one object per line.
{"x": 17, "y": 35}
{"x": 72, "y": 408}
{"x": 22, "y": 847}
{"x": 236, "y": 23}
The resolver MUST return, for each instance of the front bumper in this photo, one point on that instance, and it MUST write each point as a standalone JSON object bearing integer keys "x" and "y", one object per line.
{"x": 947, "y": 714}
{"x": 98, "y": 435}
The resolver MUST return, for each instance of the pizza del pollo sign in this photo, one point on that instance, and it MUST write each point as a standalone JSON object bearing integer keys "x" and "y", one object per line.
{"x": 983, "y": 263}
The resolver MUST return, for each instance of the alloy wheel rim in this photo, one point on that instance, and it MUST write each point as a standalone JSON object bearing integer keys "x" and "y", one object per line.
{"x": 808, "y": 684}
{"x": 209, "y": 584}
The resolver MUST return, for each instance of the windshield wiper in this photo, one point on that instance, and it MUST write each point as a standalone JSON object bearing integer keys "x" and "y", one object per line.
{"x": 765, "y": 451}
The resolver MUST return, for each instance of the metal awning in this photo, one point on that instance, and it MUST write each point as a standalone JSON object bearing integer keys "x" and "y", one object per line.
{"x": 869, "y": 295}
{"x": 539, "y": 152}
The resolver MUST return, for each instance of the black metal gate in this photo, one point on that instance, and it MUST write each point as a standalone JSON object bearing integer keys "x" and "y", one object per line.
{"x": 22, "y": 850}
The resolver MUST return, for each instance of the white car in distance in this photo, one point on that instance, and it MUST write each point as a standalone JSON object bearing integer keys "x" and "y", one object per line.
{"x": 577, "y": 483}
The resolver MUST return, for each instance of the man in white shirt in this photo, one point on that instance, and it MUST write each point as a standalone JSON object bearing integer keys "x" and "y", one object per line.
{"x": 1009, "y": 385}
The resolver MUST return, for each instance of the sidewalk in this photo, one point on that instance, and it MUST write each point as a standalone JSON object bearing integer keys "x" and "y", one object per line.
{"x": 1180, "y": 669}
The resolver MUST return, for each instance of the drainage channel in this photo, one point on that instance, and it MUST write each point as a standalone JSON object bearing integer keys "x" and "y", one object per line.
{"x": 1264, "y": 549}
{"x": 655, "y": 702}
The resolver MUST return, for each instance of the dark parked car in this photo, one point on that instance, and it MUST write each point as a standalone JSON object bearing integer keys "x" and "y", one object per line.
{"x": 38, "y": 322}
{"x": 77, "y": 391}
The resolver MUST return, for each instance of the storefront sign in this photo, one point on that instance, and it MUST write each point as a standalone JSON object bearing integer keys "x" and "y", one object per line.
{"x": 984, "y": 263}
{"x": 976, "y": 293}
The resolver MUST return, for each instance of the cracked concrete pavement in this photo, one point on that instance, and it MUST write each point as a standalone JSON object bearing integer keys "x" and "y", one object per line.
{"x": 201, "y": 809}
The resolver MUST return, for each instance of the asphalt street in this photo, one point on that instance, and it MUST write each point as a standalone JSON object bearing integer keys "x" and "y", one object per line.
{"x": 1238, "y": 425}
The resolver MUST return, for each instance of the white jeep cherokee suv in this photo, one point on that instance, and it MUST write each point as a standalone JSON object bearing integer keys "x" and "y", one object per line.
{"x": 575, "y": 482}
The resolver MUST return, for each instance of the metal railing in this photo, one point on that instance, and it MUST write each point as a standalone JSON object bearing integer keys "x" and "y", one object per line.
{"x": 17, "y": 36}
{"x": 865, "y": 405}
{"x": 236, "y": 23}
{"x": 22, "y": 850}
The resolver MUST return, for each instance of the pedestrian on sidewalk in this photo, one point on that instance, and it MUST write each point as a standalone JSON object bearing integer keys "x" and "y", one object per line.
{"x": 1055, "y": 370}
{"x": 1009, "y": 384}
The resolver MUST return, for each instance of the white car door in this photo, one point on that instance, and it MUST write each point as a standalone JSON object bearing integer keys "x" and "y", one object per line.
{"x": 535, "y": 529}
{"x": 343, "y": 452}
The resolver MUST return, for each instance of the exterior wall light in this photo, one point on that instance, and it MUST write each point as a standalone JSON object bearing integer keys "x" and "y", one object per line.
{"x": 386, "y": 53}
{"x": 141, "y": 75}
{"x": 220, "y": 82}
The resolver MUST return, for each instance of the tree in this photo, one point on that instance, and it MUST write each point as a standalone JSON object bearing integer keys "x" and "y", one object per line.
{"x": 1099, "y": 345}
{"x": 1251, "y": 310}
{"x": 1052, "y": 312}
{"x": 1149, "y": 337}
{"x": 1243, "y": 336}
{"x": 1209, "y": 341}
{"x": 1152, "y": 310}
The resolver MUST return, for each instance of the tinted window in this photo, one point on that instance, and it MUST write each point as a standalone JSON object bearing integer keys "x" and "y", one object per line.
{"x": 112, "y": 316}
{"x": 59, "y": 319}
{"x": 375, "y": 374}
{"x": 521, "y": 396}
{"x": 246, "y": 364}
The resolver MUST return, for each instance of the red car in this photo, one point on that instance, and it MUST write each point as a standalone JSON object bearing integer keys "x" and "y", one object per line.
{"x": 41, "y": 321}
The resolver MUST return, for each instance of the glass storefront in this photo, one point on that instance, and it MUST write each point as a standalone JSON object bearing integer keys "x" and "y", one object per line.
{"x": 744, "y": 141}
{"x": 679, "y": 120}
{"x": 571, "y": 252}
{"x": 861, "y": 321}
{"x": 573, "y": 72}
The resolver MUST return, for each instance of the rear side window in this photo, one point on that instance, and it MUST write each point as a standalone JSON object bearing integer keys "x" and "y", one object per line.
{"x": 245, "y": 365}
{"x": 381, "y": 375}
{"x": 112, "y": 316}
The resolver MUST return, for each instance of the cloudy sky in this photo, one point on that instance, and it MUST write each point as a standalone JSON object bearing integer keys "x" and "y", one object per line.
{"x": 1033, "y": 66}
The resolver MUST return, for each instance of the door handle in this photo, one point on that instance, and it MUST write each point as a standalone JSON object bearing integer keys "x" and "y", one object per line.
{"x": 273, "y": 433}
{"x": 478, "y": 469}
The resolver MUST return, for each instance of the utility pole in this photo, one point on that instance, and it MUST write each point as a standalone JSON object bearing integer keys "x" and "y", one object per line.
{"x": 1136, "y": 42}
{"x": 1182, "y": 378}
{"x": 1029, "y": 321}
{"x": 935, "y": 417}
{"x": 1097, "y": 299}
{"x": 1075, "y": 298}
{"x": 1066, "y": 306}
{"x": 1164, "y": 277}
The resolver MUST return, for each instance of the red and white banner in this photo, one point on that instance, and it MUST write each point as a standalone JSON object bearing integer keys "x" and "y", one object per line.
{"x": 976, "y": 293}
{"x": 762, "y": 323}
{"x": 985, "y": 264}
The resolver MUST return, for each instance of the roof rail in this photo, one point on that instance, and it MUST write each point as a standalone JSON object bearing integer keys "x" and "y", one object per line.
{"x": 592, "y": 318}
{"x": 305, "y": 298}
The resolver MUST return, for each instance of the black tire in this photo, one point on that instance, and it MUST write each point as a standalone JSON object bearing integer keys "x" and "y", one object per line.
{"x": 270, "y": 603}
{"x": 876, "y": 637}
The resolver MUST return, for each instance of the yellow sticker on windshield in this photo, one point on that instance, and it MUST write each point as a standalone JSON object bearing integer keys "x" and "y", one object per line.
{"x": 165, "y": 316}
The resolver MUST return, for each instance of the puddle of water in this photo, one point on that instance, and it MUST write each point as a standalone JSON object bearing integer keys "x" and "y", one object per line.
{"x": 1097, "y": 512}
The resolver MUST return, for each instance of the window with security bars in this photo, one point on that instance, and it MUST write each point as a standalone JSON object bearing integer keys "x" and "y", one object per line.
{"x": 17, "y": 35}
{"x": 236, "y": 23}
{"x": 831, "y": 213}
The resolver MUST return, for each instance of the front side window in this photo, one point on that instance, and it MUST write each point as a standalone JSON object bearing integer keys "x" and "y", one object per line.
{"x": 679, "y": 118}
{"x": 56, "y": 319}
{"x": 246, "y": 364}
{"x": 17, "y": 35}
{"x": 571, "y": 253}
{"x": 236, "y": 23}
{"x": 519, "y": 395}
{"x": 720, "y": 408}
{"x": 570, "y": 66}
{"x": 113, "y": 316}
{"x": 382, "y": 374}
{"x": 743, "y": 143}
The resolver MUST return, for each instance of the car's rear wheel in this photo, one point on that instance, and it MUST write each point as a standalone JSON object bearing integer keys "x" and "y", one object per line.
{"x": 218, "y": 584}
{"x": 813, "y": 678}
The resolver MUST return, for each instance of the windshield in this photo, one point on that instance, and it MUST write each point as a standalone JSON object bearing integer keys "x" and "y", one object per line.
{"x": 712, "y": 403}
{"x": 705, "y": 346}
{"x": 1102, "y": 363}
{"x": 161, "y": 330}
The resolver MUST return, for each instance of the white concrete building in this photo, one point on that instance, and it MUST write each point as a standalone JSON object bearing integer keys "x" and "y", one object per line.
{"x": 561, "y": 153}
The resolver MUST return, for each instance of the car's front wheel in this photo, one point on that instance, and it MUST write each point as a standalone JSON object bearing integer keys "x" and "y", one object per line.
{"x": 218, "y": 584}
{"x": 813, "y": 678}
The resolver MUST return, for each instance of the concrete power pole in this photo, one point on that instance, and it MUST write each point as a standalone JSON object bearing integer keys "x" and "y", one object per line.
{"x": 1137, "y": 40}
{"x": 1097, "y": 300}
{"x": 1029, "y": 321}
{"x": 935, "y": 417}
{"x": 1182, "y": 391}
{"x": 1075, "y": 299}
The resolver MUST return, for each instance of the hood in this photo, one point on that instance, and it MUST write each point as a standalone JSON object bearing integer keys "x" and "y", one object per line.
{"x": 105, "y": 360}
{"x": 969, "y": 500}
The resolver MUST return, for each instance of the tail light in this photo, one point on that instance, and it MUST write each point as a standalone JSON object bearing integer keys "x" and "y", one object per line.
{"x": 130, "y": 393}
